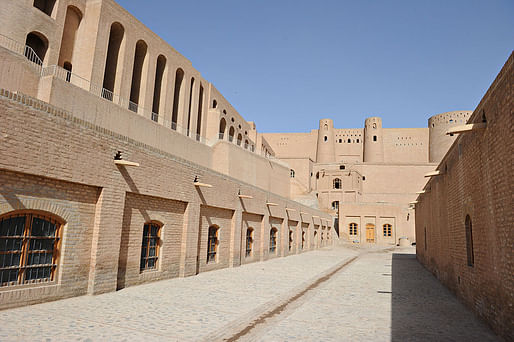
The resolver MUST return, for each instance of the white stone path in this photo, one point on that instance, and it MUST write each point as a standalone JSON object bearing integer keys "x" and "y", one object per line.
{"x": 354, "y": 304}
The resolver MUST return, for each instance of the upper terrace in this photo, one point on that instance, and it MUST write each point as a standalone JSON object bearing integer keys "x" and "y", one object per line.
{"x": 95, "y": 60}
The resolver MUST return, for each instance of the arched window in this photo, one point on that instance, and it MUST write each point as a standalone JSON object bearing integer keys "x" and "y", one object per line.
{"x": 292, "y": 173}
{"x": 29, "y": 247}
{"x": 111, "y": 63}
{"x": 69, "y": 35}
{"x": 239, "y": 139}
{"x": 337, "y": 183}
{"x": 246, "y": 144}
{"x": 353, "y": 228}
{"x": 45, "y": 6}
{"x": 177, "y": 97}
{"x": 374, "y": 138}
{"x": 137, "y": 74}
{"x": 223, "y": 127}
{"x": 273, "y": 240}
{"x": 335, "y": 205}
{"x": 157, "y": 89}
{"x": 387, "y": 228}
{"x": 231, "y": 133}
{"x": 36, "y": 45}
{"x": 249, "y": 241}
{"x": 214, "y": 104}
{"x": 290, "y": 239}
{"x": 316, "y": 238}
{"x": 303, "y": 239}
{"x": 150, "y": 246}
{"x": 190, "y": 108}
{"x": 199, "y": 115}
{"x": 325, "y": 138}
{"x": 469, "y": 241}
{"x": 212, "y": 244}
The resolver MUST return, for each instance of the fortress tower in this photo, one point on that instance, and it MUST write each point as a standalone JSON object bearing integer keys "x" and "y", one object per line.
{"x": 438, "y": 125}
{"x": 373, "y": 140}
{"x": 326, "y": 143}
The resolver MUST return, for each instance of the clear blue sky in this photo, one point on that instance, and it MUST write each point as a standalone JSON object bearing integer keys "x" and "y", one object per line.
{"x": 285, "y": 64}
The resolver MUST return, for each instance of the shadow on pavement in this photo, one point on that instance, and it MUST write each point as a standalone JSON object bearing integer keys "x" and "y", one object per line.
{"x": 422, "y": 309}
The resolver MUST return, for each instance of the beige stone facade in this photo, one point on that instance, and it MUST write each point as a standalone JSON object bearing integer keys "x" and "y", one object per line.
{"x": 464, "y": 218}
{"x": 368, "y": 178}
{"x": 122, "y": 165}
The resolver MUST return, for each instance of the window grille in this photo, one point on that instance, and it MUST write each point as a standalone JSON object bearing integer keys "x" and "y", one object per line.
{"x": 273, "y": 240}
{"x": 150, "y": 246}
{"x": 249, "y": 241}
{"x": 29, "y": 248}
{"x": 387, "y": 230}
{"x": 212, "y": 244}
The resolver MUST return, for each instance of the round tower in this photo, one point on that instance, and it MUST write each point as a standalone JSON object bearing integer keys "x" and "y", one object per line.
{"x": 373, "y": 140}
{"x": 326, "y": 142}
{"x": 438, "y": 125}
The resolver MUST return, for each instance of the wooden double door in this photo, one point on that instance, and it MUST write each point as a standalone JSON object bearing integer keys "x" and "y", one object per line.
{"x": 370, "y": 233}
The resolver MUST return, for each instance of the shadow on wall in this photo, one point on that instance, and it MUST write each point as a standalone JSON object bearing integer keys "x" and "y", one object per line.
{"x": 422, "y": 309}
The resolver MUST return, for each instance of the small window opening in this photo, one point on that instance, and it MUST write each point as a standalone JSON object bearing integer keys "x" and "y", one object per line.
{"x": 337, "y": 183}
{"x": 469, "y": 241}
{"x": 335, "y": 205}
{"x": 45, "y": 6}
{"x": 212, "y": 244}
{"x": 292, "y": 173}
{"x": 150, "y": 246}
{"x": 325, "y": 138}
{"x": 387, "y": 228}
{"x": 341, "y": 167}
{"x": 249, "y": 242}
{"x": 272, "y": 240}
{"x": 214, "y": 104}
{"x": 352, "y": 229}
{"x": 374, "y": 138}
{"x": 349, "y": 141}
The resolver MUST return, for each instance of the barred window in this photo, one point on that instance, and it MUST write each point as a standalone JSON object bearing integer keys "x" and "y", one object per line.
{"x": 353, "y": 228}
{"x": 150, "y": 246}
{"x": 290, "y": 239}
{"x": 387, "y": 229}
{"x": 273, "y": 240}
{"x": 212, "y": 244}
{"x": 303, "y": 239}
{"x": 249, "y": 241}
{"x": 337, "y": 183}
{"x": 29, "y": 247}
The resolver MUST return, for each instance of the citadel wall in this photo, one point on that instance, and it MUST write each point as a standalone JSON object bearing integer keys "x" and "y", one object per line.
{"x": 56, "y": 163}
{"x": 464, "y": 219}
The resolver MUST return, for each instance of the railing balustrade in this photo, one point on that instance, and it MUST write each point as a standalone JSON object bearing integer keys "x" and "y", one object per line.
{"x": 68, "y": 76}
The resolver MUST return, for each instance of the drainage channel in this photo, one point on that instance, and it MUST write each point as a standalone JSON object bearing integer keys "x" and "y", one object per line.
{"x": 282, "y": 307}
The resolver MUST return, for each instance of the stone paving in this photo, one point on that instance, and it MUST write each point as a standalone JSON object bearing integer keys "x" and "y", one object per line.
{"x": 381, "y": 296}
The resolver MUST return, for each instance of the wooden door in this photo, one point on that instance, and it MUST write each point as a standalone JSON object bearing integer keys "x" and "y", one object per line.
{"x": 370, "y": 233}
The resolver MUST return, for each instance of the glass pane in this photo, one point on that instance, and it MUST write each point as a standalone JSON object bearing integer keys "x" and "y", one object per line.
{"x": 142, "y": 264}
{"x": 8, "y": 276}
{"x": 151, "y": 263}
{"x": 152, "y": 251}
{"x": 155, "y": 230}
{"x": 37, "y": 273}
{"x": 41, "y": 244}
{"x": 143, "y": 252}
{"x": 13, "y": 226}
{"x": 42, "y": 227}
{"x": 153, "y": 242}
{"x": 145, "y": 230}
{"x": 8, "y": 260}
{"x": 10, "y": 244}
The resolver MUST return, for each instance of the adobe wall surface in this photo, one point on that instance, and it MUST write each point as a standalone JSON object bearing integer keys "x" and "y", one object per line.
{"x": 477, "y": 180}
{"x": 55, "y": 162}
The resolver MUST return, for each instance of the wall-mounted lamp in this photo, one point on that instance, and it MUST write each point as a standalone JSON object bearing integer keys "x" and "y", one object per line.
{"x": 197, "y": 183}
{"x": 118, "y": 160}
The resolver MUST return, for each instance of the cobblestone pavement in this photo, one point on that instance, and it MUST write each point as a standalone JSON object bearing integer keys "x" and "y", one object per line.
{"x": 381, "y": 296}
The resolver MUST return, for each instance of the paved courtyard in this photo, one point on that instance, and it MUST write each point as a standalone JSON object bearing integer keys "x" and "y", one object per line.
{"x": 334, "y": 294}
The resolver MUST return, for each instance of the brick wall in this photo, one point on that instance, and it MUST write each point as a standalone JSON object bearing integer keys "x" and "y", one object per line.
{"x": 477, "y": 180}
{"x": 56, "y": 162}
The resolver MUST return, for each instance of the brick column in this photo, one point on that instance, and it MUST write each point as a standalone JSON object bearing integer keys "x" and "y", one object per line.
{"x": 189, "y": 250}
{"x": 105, "y": 247}
{"x": 236, "y": 238}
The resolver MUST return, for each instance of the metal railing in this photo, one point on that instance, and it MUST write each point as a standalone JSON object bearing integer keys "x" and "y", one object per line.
{"x": 68, "y": 76}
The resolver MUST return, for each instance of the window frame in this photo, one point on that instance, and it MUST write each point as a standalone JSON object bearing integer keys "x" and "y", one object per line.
{"x": 353, "y": 229}
{"x": 470, "y": 253}
{"x": 387, "y": 229}
{"x": 147, "y": 247}
{"x": 249, "y": 242}
{"x": 26, "y": 249}
{"x": 273, "y": 240}
{"x": 339, "y": 182}
{"x": 212, "y": 241}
